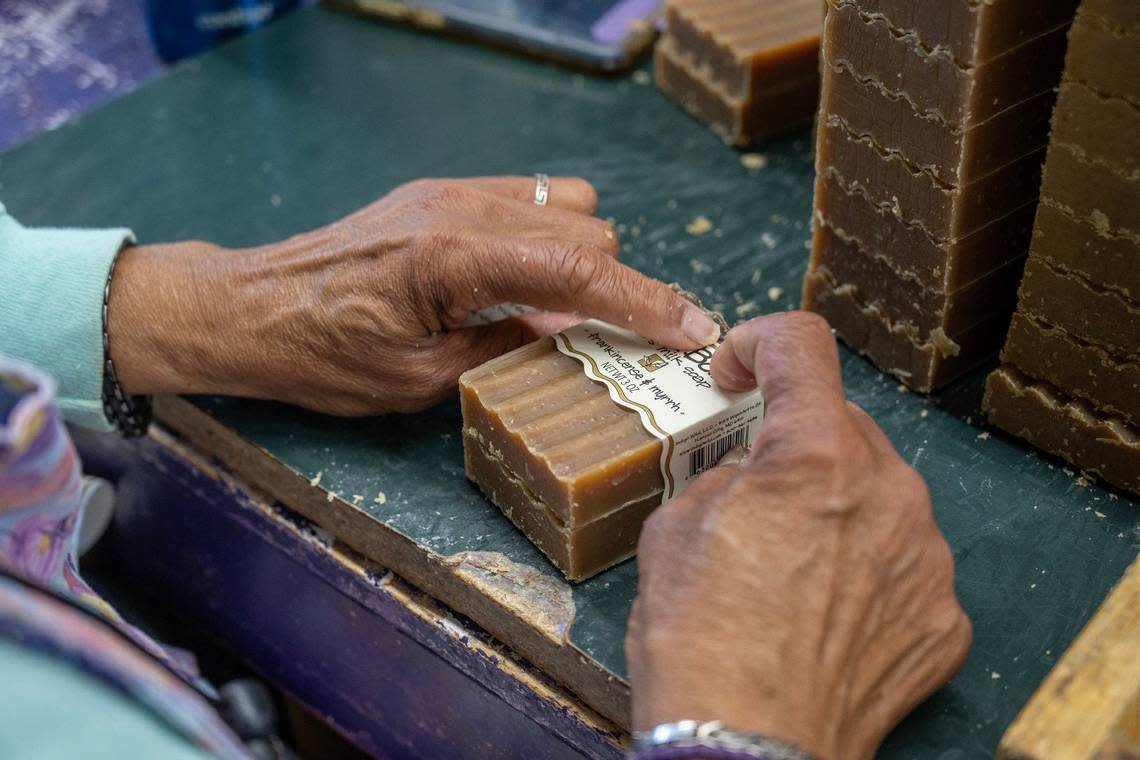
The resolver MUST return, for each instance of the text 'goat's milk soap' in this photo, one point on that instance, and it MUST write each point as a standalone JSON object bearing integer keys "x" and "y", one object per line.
{"x": 578, "y": 437}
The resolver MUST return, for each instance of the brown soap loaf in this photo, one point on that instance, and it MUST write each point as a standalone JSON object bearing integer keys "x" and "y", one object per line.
{"x": 934, "y": 118}
{"x": 748, "y": 68}
{"x": 1070, "y": 375}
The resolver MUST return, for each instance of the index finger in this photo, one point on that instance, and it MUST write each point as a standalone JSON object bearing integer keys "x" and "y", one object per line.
{"x": 793, "y": 357}
{"x": 580, "y": 279}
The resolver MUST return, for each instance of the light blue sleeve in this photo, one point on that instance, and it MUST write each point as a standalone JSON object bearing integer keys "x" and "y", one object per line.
{"x": 51, "y": 308}
{"x": 50, "y": 710}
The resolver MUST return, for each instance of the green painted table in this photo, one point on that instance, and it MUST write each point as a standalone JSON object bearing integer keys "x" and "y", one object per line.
{"x": 314, "y": 116}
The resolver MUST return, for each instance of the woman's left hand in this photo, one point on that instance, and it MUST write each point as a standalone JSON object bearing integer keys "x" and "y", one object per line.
{"x": 365, "y": 315}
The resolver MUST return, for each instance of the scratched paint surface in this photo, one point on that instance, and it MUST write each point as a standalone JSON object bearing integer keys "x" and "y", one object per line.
{"x": 320, "y": 113}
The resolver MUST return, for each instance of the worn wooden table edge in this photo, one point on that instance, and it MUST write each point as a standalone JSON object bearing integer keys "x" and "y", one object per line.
{"x": 597, "y": 687}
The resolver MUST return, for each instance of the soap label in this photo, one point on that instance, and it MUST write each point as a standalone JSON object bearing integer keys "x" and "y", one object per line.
{"x": 673, "y": 393}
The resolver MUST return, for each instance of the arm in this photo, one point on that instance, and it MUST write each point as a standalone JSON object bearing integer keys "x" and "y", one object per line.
{"x": 802, "y": 592}
{"x": 365, "y": 315}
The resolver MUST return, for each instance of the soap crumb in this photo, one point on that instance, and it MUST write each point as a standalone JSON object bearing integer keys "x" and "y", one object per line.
{"x": 994, "y": 675}
{"x": 1067, "y": 471}
{"x": 275, "y": 200}
{"x": 1032, "y": 585}
{"x": 983, "y": 436}
{"x": 901, "y": 388}
{"x": 699, "y": 267}
{"x": 1113, "y": 497}
{"x": 924, "y": 412}
{"x": 774, "y": 293}
{"x": 357, "y": 498}
{"x": 1082, "y": 481}
{"x": 316, "y": 479}
{"x": 755, "y": 279}
{"x": 768, "y": 241}
{"x": 746, "y": 308}
{"x": 699, "y": 226}
{"x": 641, "y": 76}
{"x": 1101, "y": 515}
{"x": 330, "y": 496}
{"x": 754, "y": 161}
{"x": 380, "y": 498}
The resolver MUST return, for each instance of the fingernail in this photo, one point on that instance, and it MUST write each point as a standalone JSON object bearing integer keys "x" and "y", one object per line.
{"x": 735, "y": 380}
{"x": 699, "y": 326}
{"x": 732, "y": 456}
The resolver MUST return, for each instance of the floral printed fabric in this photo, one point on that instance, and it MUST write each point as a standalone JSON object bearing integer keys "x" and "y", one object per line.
{"x": 42, "y": 496}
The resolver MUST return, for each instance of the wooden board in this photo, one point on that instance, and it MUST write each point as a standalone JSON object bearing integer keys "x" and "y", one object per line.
{"x": 1089, "y": 706}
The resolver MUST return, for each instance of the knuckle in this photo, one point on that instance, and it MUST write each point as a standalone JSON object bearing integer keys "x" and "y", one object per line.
{"x": 578, "y": 269}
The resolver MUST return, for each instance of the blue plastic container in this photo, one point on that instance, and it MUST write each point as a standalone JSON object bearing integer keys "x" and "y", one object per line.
{"x": 181, "y": 28}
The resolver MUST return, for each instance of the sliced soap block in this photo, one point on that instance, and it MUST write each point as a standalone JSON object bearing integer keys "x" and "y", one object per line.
{"x": 933, "y": 122}
{"x": 1070, "y": 378}
{"x": 1085, "y": 370}
{"x": 1069, "y": 428}
{"x": 748, "y": 68}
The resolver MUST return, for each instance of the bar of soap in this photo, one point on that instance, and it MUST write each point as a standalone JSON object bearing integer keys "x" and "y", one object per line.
{"x": 1084, "y": 369}
{"x": 573, "y": 470}
{"x": 933, "y": 126}
{"x": 1070, "y": 375}
{"x": 748, "y": 69}
{"x": 1069, "y": 428}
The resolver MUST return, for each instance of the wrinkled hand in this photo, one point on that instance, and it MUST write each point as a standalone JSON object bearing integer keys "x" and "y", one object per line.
{"x": 805, "y": 591}
{"x": 365, "y": 316}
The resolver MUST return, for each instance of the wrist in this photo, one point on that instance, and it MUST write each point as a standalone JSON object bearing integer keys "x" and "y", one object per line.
{"x": 167, "y": 323}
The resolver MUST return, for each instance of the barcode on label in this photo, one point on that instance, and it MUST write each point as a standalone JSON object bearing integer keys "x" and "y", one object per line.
{"x": 708, "y": 455}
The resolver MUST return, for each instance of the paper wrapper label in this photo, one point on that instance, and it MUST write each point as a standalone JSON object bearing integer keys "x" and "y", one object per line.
{"x": 673, "y": 394}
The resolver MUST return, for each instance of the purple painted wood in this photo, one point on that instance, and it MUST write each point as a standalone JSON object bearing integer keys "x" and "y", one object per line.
{"x": 395, "y": 673}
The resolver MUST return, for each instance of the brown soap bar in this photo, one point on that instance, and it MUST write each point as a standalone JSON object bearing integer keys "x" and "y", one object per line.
{"x": 1106, "y": 130}
{"x": 579, "y": 552}
{"x": 1092, "y": 191}
{"x": 905, "y": 300}
{"x": 581, "y": 454}
{"x": 1106, "y": 60}
{"x": 745, "y": 47}
{"x": 749, "y": 69}
{"x": 943, "y": 265}
{"x": 572, "y": 469}
{"x": 923, "y": 365}
{"x": 955, "y": 155}
{"x": 737, "y": 120}
{"x": 945, "y": 212}
{"x": 1091, "y": 313}
{"x": 1082, "y": 369}
{"x": 1069, "y": 428}
{"x": 973, "y": 32}
{"x": 936, "y": 85}
{"x": 1104, "y": 259}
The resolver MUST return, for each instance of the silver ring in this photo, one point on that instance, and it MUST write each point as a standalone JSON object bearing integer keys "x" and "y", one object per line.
{"x": 541, "y": 189}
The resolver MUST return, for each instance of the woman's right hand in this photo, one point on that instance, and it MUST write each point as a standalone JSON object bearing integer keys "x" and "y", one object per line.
{"x": 804, "y": 591}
